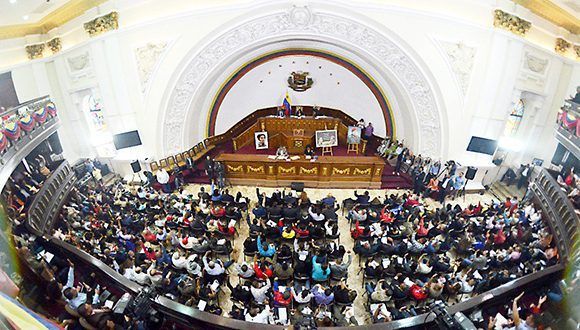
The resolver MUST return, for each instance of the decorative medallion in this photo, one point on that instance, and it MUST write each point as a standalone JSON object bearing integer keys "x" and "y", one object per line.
{"x": 299, "y": 81}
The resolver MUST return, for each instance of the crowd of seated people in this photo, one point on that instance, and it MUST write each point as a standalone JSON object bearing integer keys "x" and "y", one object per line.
{"x": 182, "y": 245}
{"x": 414, "y": 254}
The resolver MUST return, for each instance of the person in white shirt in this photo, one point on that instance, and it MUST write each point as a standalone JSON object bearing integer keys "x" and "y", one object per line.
{"x": 261, "y": 317}
{"x": 258, "y": 292}
{"x": 318, "y": 217}
{"x": 303, "y": 297}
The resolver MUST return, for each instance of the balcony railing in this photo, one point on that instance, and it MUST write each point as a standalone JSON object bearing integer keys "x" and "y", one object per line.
{"x": 568, "y": 127}
{"x": 559, "y": 211}
{"x": 22, "y": 129}
{"x": 49, "y": 200}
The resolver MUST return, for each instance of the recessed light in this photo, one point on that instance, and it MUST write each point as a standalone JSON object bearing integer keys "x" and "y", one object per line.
{"x": 12, "y": 1}
{"x": 25, "y": 17}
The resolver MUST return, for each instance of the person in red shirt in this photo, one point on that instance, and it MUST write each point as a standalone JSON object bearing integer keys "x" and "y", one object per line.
{"x": 262, "y": 271}
{"x": 281, "y": 299}
{"x": 386, "y": 217}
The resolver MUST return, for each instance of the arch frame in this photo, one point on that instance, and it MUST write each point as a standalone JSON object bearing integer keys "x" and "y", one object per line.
{"x": 414, "y": 95}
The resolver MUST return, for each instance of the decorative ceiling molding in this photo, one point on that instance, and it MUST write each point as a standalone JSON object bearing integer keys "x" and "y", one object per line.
{"x": 62, "y": 15}
{"x": 102, "y": 24}
{"x": 510, "y": 22}
{"x": 553, "y": 13}
{"x": 320, "y": 25}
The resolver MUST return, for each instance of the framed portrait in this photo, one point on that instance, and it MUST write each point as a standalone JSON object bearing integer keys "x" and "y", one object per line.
{"x": 328, "y": 138}
{"x": 353, "y": 135}
{"x": 261, "y": 140}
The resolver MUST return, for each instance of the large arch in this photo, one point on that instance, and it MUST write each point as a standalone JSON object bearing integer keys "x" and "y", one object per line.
{"x": 390, "y": 61}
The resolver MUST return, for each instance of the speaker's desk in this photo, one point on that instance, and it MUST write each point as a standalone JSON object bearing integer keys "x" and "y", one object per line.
{"x": 325, "y": 172}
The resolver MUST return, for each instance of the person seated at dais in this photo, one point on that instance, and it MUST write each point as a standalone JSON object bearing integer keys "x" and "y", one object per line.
{"x": 282, "y": 152}
{"x": 308, "y": 151}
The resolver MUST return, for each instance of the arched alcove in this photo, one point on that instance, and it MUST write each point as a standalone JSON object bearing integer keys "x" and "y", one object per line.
{"x": 400, "y": 75}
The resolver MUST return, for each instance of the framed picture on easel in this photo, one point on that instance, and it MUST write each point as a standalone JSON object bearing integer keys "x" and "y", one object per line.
{"x": 353, "y": 135}
{"x": 327, "y": 138}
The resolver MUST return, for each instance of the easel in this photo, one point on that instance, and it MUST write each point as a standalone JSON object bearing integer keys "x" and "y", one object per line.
{"x": 352, "y": 147}
{"x": 327, "y": 150}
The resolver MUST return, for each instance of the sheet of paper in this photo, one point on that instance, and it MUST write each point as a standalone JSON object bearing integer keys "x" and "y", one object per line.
{"x": 308, "y": 157}
{"x": 477, "y": 275}
{"x": 201, "y": 305}
{"x": 295, "y": 157}
{"x": 271, "y": 157}
{"x": 48, "y": 256}
{"x": 282, "y": 314}
{"x": 109, "y": 304}
{"x": 215, "y": 285}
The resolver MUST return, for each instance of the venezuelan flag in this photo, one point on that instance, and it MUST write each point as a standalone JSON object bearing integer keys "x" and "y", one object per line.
{"x": 26, "y": 123}
{"x": 3, "y": 141}
{"x": 286, "y": 105}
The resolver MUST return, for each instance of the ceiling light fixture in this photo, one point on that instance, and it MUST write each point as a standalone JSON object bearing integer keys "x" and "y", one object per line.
{"x": 25, "y": 17}
{"x": 12, "y": 1}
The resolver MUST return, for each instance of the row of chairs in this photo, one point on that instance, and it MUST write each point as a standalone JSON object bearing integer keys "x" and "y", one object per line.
{"x": 179, "y": 160}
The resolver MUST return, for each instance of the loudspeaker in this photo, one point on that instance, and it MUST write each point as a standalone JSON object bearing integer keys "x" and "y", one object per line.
{"x": 136, "y": 166}
{"x": 471, "y": 171}
{"x": 298, "y": 186}
{"x": 54, "y": 142}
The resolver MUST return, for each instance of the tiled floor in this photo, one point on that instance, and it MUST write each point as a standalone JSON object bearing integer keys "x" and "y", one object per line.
{"x": 354, "y": 280}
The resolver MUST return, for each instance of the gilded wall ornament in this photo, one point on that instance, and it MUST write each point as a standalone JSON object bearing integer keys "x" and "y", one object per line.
{"x": 577, "y": 50}
{"x": 35, "y": 51}
{"x": 102, "y": 24}
{"x": 54, "y": 44}
{"x": 562, "y": 46}
{"x": 510, "y": 22}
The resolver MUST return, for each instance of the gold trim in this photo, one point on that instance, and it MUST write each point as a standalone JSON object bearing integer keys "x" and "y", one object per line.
{"x": 313, "y": 170}
{"x": 239, "y": 168}
{"x": 290, "y": 170}
{"x": 553, "y": 13}
{"x": 577, "y": 50}
{"x": 62, "y": 15}
{"x": 345, "y": 171}
{"x": 361, "y": 172}
{"x": 259, "y": 170}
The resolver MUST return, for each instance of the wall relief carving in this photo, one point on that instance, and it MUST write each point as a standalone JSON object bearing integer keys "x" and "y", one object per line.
{"x": 460, "y": 58}
{"x": 147, "y": 58}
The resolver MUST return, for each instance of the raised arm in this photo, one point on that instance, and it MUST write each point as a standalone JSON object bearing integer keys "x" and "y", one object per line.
{"x": 516, "y": 314}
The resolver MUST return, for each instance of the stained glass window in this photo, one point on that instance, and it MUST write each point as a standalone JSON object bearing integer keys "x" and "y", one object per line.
{"x": 514, "y": 119}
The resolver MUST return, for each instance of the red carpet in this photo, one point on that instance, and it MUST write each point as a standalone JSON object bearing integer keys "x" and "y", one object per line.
{"x": 389, "y": 180}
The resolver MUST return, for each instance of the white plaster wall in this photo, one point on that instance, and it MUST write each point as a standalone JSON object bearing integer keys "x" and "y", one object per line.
{"x": 266, "y": 85}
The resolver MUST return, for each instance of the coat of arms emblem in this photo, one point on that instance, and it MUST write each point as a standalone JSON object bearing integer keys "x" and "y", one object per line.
{"x": 299, "y": 81}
